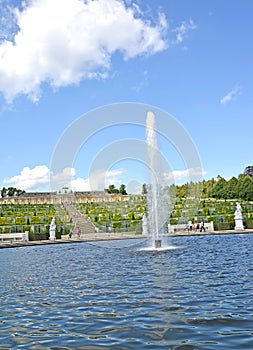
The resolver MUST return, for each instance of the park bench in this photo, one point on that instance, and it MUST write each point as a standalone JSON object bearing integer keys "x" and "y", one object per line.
{"x": 14, "y": 237}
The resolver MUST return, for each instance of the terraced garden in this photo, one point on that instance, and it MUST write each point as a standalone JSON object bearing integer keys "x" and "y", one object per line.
{"x": 126, "y": 216}
{"x": 35, "y": 218}
{"x": 220, "y": 211}
{"x": 120, "y": 216}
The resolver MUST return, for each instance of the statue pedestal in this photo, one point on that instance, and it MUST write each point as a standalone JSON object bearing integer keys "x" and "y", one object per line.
{"x": 239, "y": 224}
{"x": 52, "y": 234}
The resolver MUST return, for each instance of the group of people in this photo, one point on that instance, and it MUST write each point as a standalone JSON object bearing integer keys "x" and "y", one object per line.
{"x": 78, "y": 232}
{"x": 195, "y": 227}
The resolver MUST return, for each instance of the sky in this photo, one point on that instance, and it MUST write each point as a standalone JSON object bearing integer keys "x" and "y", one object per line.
{"x": 78, "y": 77}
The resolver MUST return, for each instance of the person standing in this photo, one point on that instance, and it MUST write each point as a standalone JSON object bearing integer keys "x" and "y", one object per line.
{"x": 202, "y": 226}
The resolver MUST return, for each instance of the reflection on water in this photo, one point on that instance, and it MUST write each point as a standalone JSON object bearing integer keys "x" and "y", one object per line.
{"x": 81, "y": 296}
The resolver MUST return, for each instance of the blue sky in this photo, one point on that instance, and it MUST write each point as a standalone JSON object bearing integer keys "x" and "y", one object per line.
{"x": 61, "y": 61}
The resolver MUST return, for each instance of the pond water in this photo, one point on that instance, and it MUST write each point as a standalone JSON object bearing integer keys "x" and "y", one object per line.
{"x": 83, "y": 296}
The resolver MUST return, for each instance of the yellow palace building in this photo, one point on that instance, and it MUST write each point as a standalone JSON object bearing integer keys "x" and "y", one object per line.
{"x": 64, "y": 196}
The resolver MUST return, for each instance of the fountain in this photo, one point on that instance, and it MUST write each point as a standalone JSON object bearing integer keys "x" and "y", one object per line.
{"x": 158, "y": 200}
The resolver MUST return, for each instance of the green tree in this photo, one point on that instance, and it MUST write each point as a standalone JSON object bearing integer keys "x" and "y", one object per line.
{"x": 11, "y": 191}
{"x": 232, "y": 188}
{"x": 122, "y": 189}
{"x": 111, "y": 189}
{"x": 208, "y": 187}
{"x": 3, "y": 192}
{"x": 144, "y": 189}
{"x": 219, "y": 189}
{"x": 19, "y": 192}
{"x": 245, "y": 187}
{"x": 182, "y": 191}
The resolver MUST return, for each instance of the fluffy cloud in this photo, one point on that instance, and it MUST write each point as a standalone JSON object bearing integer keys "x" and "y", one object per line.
{"x": 185, "y": 175}
{"x": 40, "y": 178}
{"x": 30, "y": 179}
{"x": 97, "y": 180}
{"x": 231, "y": 95}
{"x": 61, "y": 42}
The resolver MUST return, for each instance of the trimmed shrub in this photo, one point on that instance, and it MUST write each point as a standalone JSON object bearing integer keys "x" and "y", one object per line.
{"x": 20, "y": 220}
{"x": 249, "y": 224}
{"x": 26, "y": 228}
{"x": 117, "y": 225}
{"x": 173, "y": 221}
{"x": 219, "y": 226}
{"x": 38, "y": 236}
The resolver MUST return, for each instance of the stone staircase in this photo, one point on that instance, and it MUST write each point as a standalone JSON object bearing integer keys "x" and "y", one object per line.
{"x": 79, "y": 220}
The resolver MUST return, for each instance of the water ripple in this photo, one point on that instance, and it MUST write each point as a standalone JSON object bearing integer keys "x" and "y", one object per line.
{"x": 81, "y": 296}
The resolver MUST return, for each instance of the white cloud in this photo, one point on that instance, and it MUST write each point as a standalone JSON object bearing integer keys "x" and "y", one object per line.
{"x": 30, "y": 179}
{"x": 62, "y": 42}
{"x": 80, "y": 184}
{"x": 186, "y": 175}
{"x": 62, "y": 179}
{"x": 39, "y": 179}
{"x": 101, "y": 178}
{"x": 182, "y": 30}
{"x": 231, "y": 95}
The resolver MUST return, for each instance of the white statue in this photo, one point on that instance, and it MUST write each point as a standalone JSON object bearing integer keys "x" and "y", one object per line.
{"x": 144, "y": 224}
{"x": 238, "y": 217}
{"x": 52, "y": 229}
{"x": 238, "y": 211}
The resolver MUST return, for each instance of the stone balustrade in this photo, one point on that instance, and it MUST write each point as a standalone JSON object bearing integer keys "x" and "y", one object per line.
{"x": 15, "y": 236}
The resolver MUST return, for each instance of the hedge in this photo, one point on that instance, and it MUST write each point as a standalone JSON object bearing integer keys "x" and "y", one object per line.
{"x": 41, "y": 236}
{"x": 249, "y": 224}
{"x": 219, "y": 226}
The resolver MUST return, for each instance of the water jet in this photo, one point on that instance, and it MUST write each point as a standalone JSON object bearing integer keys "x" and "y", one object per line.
{"x": 157, "y": 195}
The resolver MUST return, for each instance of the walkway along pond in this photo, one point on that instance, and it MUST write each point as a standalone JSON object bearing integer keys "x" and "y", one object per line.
{"x": 113, "y": 236}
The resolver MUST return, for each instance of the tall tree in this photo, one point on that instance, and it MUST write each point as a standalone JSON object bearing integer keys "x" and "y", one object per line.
{"x": 111, "y": 189}
{"x": 219, "y": 189}
{"x": 232, "y": 188}
{"x": 122, "y": 189}
{"x": 11, "y": 191}
{"x": 144, "y": 189}
{"x": 245, "y": 188}
{"x": 3, "y": 192}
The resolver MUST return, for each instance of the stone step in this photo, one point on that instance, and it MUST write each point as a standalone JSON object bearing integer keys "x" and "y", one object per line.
{"x": 79, "y": 220}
